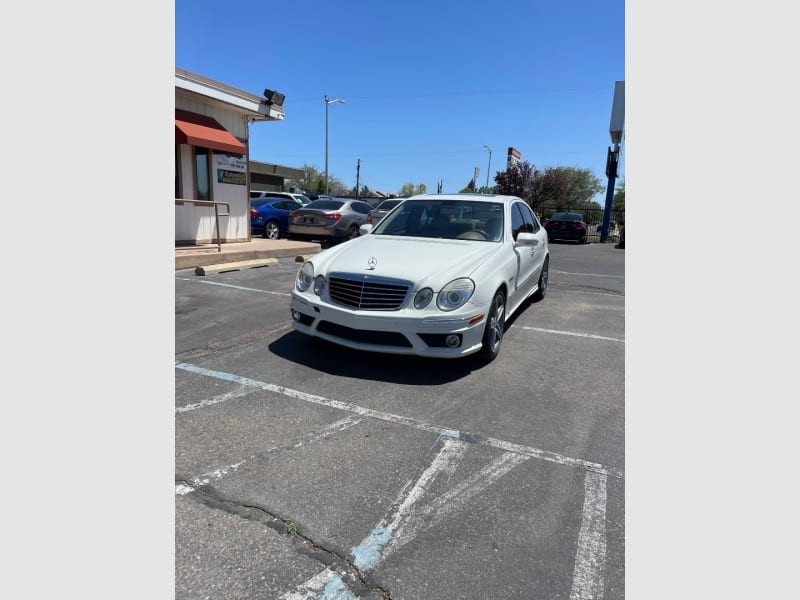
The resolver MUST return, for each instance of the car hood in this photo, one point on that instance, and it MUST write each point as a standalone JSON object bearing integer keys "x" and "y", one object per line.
{"x": 426, "y": 262}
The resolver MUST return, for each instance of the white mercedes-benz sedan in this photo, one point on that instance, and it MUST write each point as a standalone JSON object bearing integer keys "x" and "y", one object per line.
{"x": 438, "y": 276}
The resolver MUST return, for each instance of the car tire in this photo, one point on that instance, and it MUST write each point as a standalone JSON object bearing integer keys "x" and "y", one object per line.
{"x": 272, "y": 230}
{"x": 494, "y": 328}
{"x": 543, "y": 277}
{"x": 352, "y": 232}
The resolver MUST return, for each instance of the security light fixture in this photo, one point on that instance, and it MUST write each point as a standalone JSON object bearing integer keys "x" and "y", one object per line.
{"x": 273, "y": 97}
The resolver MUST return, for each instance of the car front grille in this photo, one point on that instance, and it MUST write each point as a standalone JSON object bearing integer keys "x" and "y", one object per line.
{"x": 367, "y": 292}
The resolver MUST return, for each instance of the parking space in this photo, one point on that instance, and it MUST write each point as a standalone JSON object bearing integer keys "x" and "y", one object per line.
{"x": 385, "y": 476}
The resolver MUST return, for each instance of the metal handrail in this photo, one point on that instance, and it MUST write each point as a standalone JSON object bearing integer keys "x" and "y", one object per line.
{"x": 209, "y": 203}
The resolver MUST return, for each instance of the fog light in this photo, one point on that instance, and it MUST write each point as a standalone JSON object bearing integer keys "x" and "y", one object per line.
{"x": 295, "y": 315}
{"x": 453, "y": 340}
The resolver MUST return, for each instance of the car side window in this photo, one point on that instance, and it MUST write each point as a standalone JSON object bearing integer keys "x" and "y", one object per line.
{"x": 517, "y": 222}
{"x": 362, "y": 207}
{"x": 531, "y": 226}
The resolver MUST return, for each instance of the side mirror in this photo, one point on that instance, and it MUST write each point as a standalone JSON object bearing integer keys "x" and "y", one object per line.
{"x": 365, "y": 229}
{"x": 526, "y": 239}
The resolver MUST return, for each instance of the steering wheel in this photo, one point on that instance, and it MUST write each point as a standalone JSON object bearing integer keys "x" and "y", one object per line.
{"x": 473, "y": 234}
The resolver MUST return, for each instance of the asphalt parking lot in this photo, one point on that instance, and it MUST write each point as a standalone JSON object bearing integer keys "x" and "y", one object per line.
{"x": 305, "y": 470}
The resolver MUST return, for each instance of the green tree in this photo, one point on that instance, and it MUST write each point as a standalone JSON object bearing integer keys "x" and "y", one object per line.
{"x": 537, "y": 187}
{"x": 582, "y": 186}
{"x": 313, "y": 182}
{"x": 549, "y": 186}
{"x": 470, "y": 189}
{"x": 409, "y": 189}
{"x": 619, "y": 196}
{"x": 515, "y": 181}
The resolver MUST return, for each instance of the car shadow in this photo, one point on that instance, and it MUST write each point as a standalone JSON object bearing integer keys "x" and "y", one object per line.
{"x": 375, "y": 366}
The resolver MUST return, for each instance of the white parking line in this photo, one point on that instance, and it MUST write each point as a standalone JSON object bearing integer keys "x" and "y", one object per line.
{"x": 590, "y": 559}
{"x": 242, "y": 391}
{"x": 552, "y": 289}
{"x": 368, "y": 553}
{"x": 400, "y": 525}
{"x": 406, "y": 421}
{"x": 236, "y": 287}
{"x": 457, "y": 497}
{"x": 588, "y": 274}
{"x": 327, "y": 430}
{"x": 325, "y": 584}
{"x": 575, "y": 333}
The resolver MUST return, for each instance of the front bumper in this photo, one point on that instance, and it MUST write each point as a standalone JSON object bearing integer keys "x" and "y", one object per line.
{"x": 403, "y": 331}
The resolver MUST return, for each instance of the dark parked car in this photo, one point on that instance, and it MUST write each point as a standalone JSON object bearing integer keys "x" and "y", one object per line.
{"x": 329, "y": 219}
{"x": 566, "y": 226}
{"x": 270, "y": 216}
{"x": 382, "y": 210}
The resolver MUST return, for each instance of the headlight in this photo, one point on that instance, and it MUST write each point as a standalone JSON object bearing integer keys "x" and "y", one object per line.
{"x": 305, "y": 276}
{"x": 455, "y": 294}
{"x": 423, "y": 298}
{"x": 319, "y": 285}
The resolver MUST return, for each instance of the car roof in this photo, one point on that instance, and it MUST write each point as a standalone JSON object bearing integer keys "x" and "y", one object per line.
{"x": 467, "y": 197}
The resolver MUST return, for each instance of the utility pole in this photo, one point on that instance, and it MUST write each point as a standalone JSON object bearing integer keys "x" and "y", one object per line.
{"x": 328, "y": 102}
{"x": 616, "y": 130}
{"x": 358, "y": 172}
{"x": 489, "y": 168}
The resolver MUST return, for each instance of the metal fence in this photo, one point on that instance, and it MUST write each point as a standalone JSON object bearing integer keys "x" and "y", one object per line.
{"x": 591, "y": 216}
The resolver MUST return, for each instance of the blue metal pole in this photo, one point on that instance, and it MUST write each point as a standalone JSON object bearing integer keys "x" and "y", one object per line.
{"x": 611, "y": 171}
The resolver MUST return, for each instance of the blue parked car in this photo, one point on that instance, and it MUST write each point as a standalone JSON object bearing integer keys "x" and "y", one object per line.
{"x": 269, "y": 217}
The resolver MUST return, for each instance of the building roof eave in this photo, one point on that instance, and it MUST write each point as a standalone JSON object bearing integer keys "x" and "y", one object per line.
{"x": 256, "y": 108}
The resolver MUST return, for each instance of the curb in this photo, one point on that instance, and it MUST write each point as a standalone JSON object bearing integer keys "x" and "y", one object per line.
{"x": 235, "y": 266}
{"x": 209, "y": 258}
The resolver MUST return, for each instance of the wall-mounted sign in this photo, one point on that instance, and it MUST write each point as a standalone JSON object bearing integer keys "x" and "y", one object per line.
{"x": 231, "y": 168}
{"x": 232, "y": 177}
{"x": 230, "y": 161}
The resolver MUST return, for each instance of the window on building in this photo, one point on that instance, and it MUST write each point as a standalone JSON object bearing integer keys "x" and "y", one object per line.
{"x": 178, "y": 172}
{"x": 202, "y": 173}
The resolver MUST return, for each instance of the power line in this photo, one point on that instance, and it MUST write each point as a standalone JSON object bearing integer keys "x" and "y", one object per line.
{"x": 465, "y": 93}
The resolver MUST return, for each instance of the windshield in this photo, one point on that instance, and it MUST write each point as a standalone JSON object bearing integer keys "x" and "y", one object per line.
{"x": 325, "y": 204}
{"x": 388, "y": 204}
{"x": 448, "y": 219}
{"x": 566, "y": 217}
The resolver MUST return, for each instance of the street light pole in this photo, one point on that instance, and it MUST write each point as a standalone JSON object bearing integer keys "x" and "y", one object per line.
{"x": 328, "y": 102}
{"x": 489, "y": 168}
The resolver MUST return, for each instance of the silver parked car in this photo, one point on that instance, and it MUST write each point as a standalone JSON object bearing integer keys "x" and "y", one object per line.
{"x": 331, "y": 219}
{"x": 383, "y": 209}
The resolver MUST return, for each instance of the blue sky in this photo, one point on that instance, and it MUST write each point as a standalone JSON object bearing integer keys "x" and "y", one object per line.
{"x": 426, "y": 84}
